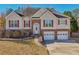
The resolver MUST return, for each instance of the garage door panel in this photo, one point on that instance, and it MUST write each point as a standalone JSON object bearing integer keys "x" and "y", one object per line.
{"x": 49, "y": 35}
{"x": 62, "y": 35}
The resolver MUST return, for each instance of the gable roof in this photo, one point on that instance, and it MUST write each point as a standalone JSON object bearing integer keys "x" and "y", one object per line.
{"x": 14, "y": 13}
{"x": 11, "y": 10}
{"x": 53, "y": 11}
{"x": 59, "y": 16}
{"x": 19, "y": 13}
{"x": 40, "y": 11}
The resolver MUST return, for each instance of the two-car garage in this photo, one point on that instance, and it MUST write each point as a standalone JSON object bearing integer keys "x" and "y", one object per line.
{"x": 50, "y": 36}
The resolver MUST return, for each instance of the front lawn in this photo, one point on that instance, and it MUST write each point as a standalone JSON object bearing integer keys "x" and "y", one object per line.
{"x": 26, "y": 47}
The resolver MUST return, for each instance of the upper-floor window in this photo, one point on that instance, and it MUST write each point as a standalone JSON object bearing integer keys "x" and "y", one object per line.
{"x": 13, "y": 23}
{"x": 48, "y": 23}
{"x": 62, "y": 22}
{"x": 26, "y": 23}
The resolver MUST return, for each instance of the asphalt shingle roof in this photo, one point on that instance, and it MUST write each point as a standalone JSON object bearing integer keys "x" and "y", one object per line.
{"x": 32, "y": 11}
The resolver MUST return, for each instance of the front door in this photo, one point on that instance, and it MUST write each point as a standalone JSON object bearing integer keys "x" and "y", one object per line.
{"x": 36, "y": 28}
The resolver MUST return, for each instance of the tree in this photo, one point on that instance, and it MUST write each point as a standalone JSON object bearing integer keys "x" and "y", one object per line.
{"x": 73, "y": 22}
{"x": 68, "y": 13}
{"x": 75, "y": 12}
{"x": 2, "y": 22}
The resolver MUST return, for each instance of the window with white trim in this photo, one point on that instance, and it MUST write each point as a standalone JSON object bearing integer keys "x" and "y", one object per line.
{"x": 62, "y": 22}
{"x": 48, "y": 23}
{"x": 13, "y": 23}
{"x": 26, "y": 23}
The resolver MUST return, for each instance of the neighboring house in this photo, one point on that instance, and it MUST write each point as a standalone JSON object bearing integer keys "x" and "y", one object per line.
{"x": 48, "y": 23}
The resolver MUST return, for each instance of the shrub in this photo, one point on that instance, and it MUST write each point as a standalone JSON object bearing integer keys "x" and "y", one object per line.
{"x": 1, "y": 33}
{"x": 16, "y": 34}
{"x": 26, "y": 33}
{"x": 8, "y": 34}
{"x": 74, "y": 26}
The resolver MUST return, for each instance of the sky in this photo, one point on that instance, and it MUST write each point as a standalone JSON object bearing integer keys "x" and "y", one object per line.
{"x": 59, "y": 7}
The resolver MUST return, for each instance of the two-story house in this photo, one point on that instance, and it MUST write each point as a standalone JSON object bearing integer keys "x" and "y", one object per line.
{"x": 48, "y": 23}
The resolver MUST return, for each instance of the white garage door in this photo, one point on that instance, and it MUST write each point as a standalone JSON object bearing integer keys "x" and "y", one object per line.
{"x": 62, "y": 35}
{"x": 49, "y": 35}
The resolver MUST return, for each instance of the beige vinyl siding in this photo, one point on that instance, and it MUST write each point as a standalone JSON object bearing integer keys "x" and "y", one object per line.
{"x": 27, "y": 19}
{"x": 49, "y": 16}
{"x": 62, "y": 24}
{"x": 15, "y": 17}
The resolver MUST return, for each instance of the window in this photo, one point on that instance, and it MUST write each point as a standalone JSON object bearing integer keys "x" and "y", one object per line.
{"x": 13, "y": 23}
{"x": 62, "y": 22}
{"x": 26, "y": 23}
{"x": 48, "y": 23}
{"x": 16, "y": 24}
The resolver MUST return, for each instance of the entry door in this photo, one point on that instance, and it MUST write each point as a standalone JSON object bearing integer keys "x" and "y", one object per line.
{"x": 36, "y": 28}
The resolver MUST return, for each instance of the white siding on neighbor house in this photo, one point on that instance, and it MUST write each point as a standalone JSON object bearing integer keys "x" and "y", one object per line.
{"x": 13, "y": 16}
{"x": 48, "y": 15}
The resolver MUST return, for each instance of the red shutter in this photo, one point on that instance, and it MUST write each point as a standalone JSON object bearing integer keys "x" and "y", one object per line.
{"x": 58, "y": 22}
{"x": 9, "y": 23}
{"x": 52, "y": 23}
{"x": 29, "y": 23}
{"x": 24, "y": 23}
{"x": 44, "y": 23}
{"x": 18, "y": 23}
{"x": 65, "y": 21}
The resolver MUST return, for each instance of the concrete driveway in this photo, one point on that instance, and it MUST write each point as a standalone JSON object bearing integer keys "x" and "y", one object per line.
{"x": 63, "y": 48}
